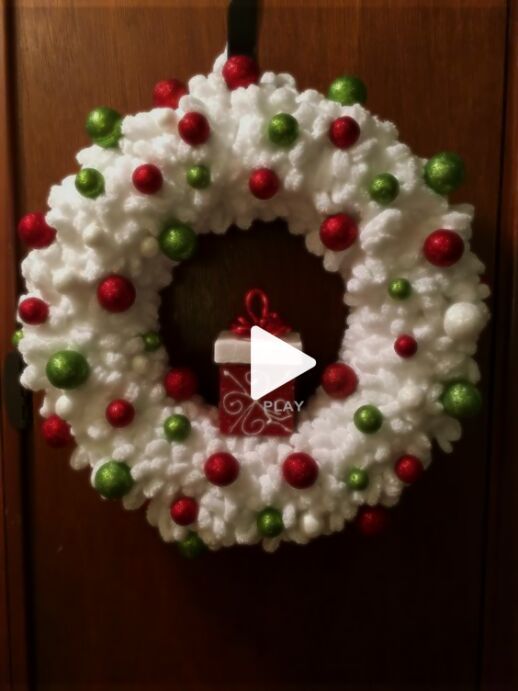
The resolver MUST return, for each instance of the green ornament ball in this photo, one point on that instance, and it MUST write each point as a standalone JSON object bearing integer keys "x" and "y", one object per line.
{"x": 368, "y": 419}
{"x": 357, "y": 479}
{"x": 177, "y": 428}
{"x": 178, "y": 241}
{"x": 461, "y": 399}
{"x": 269, "y": 522}
{"x": 113, "y": 480}
{"x": 17, "y": 337}
{"x": 192, "y": 546}
{"x": 384, "y": 188}
{"x": 283, "y": 130}
{"x": 67, "y": 369}
{"x": 198, "y": 177}
{"x": 152, "y": 341}
{"x": 399, "y": 289}
{"x": 444, "y": 172}
{"x": 89, "y": 183}
{"x": 347, "y": 90}
{"x": 104, "y": 126}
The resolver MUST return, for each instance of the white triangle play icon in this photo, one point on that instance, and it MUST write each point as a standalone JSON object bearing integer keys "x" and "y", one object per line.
{"x": 273, "y": 362}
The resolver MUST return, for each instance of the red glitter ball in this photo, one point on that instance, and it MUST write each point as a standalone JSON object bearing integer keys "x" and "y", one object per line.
{"x": 443, "y": 247}
{"x": 221, "y": 469}
{"x": 405, "y": 346}
{"x": 240, "y": 70}
{"x": 194, "y": 128}
{"x": 119, "y": 413}
{"x": 372, "y": 520}
{"x": 180, "y": 383}
{"x": 33, "y": 311}
{"x": 56, "y": 432}
{"x": 300, "y": 470}
{"x": 338, "y": 232}
{"x": 168, "y": 92}
{"x": 35, "y": 231}
{"x": 184, "y": 510}
{"x": 408, "y": 468}
{"x": 344, "y": 132}
{"x": 339, "y": 380}
{"x": 147, "y": 179}
{"x": 116, "y": 293}
{"x": 263, "y": 183}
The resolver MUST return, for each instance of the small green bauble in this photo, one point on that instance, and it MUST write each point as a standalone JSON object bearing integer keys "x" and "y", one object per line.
{"x": 113, "y": 480}
{"x": 198, "y": 177}
{"x": 384, "y": 188}
{"x": 152, "y": 341}
{"x": 177, "y": 428}
{"x": 104, "y": 126}
{"x": 67, "y": 369}
{"x": 192, "y": 546}
{"x": 399, "y": 288}
{"x": 444, "y": 172}
{"x": 89, "y": 183}
{"x": 357, "y": 479}
{"x": 368, "y": 419}
{"x": 269, "y": 522}
{"x": 347, "y": 90}
{"x": 178, "y": 241}
{"x": 461, "y": 399}
{"x": 17, "y": 337}
{"x": 283, "y": 130}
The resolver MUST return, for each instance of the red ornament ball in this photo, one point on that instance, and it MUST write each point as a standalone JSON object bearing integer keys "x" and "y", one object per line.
{"x": 33, "y": 311}
{"x": 181, "y": 383}
{"x": 408, "y": 468}
{"x": 194, "y": 128}
{"x": 56, "y": 432}
{"x": 240, "y": 70}
{"x": 338, "y": 232}
{"x": 184, "y": 510}
{"x": 221, "y": 469}
{"x": 147, "y": 179}
{"x": 263, "y": 183}
{"x": 443, "y": 247}
{"x": 300, "y": 470}
{"x": 35, "y": 232}
{"x": 119, "y": 413}
{"x": 168, "y": 92}
{"x": 116, "y": 293}
{"x": 339, "y": 380}
{"x": 372, "y": 520}
{"x": 344, "y": 132}
{"x": 405, "y": 346}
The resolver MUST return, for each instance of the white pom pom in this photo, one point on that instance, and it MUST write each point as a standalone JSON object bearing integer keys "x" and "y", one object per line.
{"x": 463, "y": 320}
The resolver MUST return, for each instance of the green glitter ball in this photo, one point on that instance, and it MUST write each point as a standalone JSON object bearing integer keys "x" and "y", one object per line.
{"x": 368, "y": 419}
{"x": 178, "y": 241}
{"x": 269, "y": 522}
{"x": 444, "y": 172}
{"x": 89, "y": 183}
{"x": 399, "y": 289}
{"x": 198, "y": 177}
{"x": 177, "y": 428}
{"x": 461, "y": 399}
{"x": 113, "y": 480}
{"x": 67, "y": 369}
{"x": 192, "y": 546}
{"x": 357, "y": 479}
{"x": 152, "y": 341}
{"x": 384, "y": 188}
{"x": 347, "y": 90}
{"x": 17, "y": 337}
{"x": 283, "y": 130}
{"x": 104, "y": 126}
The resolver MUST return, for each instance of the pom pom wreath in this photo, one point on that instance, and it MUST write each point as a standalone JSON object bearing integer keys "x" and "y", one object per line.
{"x": 181, "y": 383}
{"x": 116, "y": 293}
{"x": 269, "y": 522}
{"x": 283, "y": 130}
{"x": 338, "y": 232}
{"x": 399, "y": 289}
{"x": 113, "y": 480}
{"x": 221, "y": 469}
{"x": 443, "y": 248}
{"x": 184, "y": 510}
{"x": 408, "y": 469}
{"x": 344, "y": 132}
{"x": 405, "y": 346}
{"x": 168, "y": 92}
{"x": 177, "y": 428}
{"x": 384, "y": 188}
{"x": 67, "y": 369}
{"x": 357, "y": 479}
{"x": 263, "y": 183}
{"x": 368, "y": 419}
{"x": 444, "y": 172}
{"x": 240, "y": 71}
{"x": 56, "y": 432}
{"x": 347, "y": 90}
{"x": 178, "y": 241}
{"x": 90, "y": 183}
{"x": 339, "y": 380}
{"x": 33, "y": 311}
{"x": 103, "y": 126}
{"x": 194, "y": 128}
{"x": 300, "y": 470}
{"x": 192, "y": 546}
{"x": 147, "y": 179}
{"x": 119, "y": 413}
{"x": 198, "y": 177}
{"x": 152, "y": 341}
{"x": 17, "y": 337}
{"x": 372, "y": 520}
{"x": 35, "y": 232}
{"x": 461, "y": 399}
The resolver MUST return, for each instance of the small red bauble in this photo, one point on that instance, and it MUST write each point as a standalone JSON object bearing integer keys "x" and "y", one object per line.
{"x": 339, "y": 380}
{"x": 119, "y": 413}
{"x": 168, "y": 92}
{"x": 300, "y": 470}
{"x": 405, "y": 346}
{"x": 147, "y": 179}
{"x": 56, "y": 432}
{"x": 33, "y": 311}
{"x": 344, "y": 132}
{"x": 263, "y": 183}
{"x": 116, "y": 293}
{"x": 221, "y": 469}
{"x": 184, "y": 510}
{"x": 408, "y": 468}
{"x": 338, "y": 232}
{"x": 35, "y": 231}
{"x": 372, "y": 520}
{"x": 443, "y": 247}
{"x": 180, "y": 383}
{"x": 240, "y": 70}
{"x": 194, "y": 128}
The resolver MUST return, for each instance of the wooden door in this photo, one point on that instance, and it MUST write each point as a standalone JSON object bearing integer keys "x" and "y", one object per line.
{"x": 89, "y": 596}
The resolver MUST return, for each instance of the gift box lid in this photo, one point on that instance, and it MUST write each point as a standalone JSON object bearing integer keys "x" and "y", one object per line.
{"x": 230, "y": 348}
